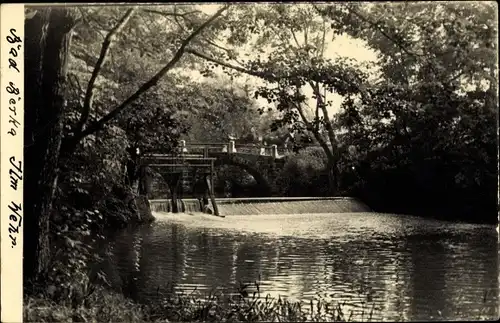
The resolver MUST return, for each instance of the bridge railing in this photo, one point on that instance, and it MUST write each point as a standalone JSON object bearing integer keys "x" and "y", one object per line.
{"x": 231, "y": 147}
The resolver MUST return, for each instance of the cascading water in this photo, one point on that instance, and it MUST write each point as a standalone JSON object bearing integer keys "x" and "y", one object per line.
{"x": 292, "y": 207}
{"x": 185, "y": 206}
{"x": 248, "y": 206}
{"x": 192, "y": 206}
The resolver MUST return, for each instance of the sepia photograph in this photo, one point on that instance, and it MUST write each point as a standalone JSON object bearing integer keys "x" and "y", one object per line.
{"x": 253, "y": 161}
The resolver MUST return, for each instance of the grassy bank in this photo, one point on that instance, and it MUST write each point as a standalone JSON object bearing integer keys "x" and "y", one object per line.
{"x": 103, "y": 305}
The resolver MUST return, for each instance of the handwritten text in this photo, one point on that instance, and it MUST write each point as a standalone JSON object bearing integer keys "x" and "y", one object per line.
{"x": 13, "y": 94}
{"x": 15, "y": 174}
{"x": 11, "y": 89}
{"x": 15, "y": 222}
{"x": 14, "y": 39}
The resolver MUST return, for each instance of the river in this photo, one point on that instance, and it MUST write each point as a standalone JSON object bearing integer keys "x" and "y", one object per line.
{"x": 406, "y": 268}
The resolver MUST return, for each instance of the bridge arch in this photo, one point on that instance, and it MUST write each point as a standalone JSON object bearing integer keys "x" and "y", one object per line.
{"x": 243, "y": 163}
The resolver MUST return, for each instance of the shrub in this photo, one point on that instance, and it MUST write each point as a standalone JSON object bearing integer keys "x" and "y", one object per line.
{"x": 304, "y": 174}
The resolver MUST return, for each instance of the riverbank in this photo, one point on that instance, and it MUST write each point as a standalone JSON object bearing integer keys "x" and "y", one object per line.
{"x": 68, "y": 292}
{"x": 102, "y": 305}
{"x": 106, "y": 306}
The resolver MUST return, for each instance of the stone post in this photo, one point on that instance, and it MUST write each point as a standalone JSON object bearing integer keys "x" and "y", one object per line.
{"x": 232, "y": 148}
{"x": 183, "y": 146}
{"x": 274, "y": 151}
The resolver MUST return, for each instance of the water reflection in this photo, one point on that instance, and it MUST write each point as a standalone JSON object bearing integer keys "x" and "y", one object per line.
{"x": 411, "y": 269}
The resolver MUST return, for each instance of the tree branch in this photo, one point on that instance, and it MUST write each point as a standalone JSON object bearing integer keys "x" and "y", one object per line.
{"x": 87, "y": 103}
{"x": 228, "y": 51}
{"x": 268, "y": 77}
{"x": 177, "y": 20}
{"x": 317, "y": 115}
{"x": 170, "y": 14}
{"x": 73, "y": 77}
{"x": 310, "y": 128}
{"x": 264, "y": 76}
{"x": 295, "y": 37}
{"x": 386, "y": 35}
{"x": 323, "y": 39}
{"x": 305, "y": 36}
{"x": 146, "y": 86}
{"x": 419, "y": 57}
{"x": 218, "y": 46}
{"x": 377, "y": 27}
{"x": 320, "y": 103}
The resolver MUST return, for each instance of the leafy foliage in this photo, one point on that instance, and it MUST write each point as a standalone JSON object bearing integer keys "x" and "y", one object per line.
{"x": 304, "y": 174}
{"x": 429, "y": 123}
{"x": 218, "y": 112}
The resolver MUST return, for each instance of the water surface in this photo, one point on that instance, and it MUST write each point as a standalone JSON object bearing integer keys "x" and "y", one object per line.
{"x": 408, "y": 268}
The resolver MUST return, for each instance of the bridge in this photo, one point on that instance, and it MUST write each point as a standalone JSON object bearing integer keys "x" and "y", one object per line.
{"x": 264, "y": 163}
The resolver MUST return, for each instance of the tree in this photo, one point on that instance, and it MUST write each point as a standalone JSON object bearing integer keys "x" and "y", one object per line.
{"x": 81, "y": 131}
{"x": 417, "y": 123}
{"x": 120, "y": 69}
{"x": 292, "y": 67}
{"x": 49, "y": 33}
{"x": 218, "y": 112}
{"x": 48, "y": 39}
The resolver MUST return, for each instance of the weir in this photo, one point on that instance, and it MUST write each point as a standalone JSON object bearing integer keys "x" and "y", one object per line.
{"x": 184, "y": 205}
{"x": 176, "y": 168}
{"x": 270, "y": 205}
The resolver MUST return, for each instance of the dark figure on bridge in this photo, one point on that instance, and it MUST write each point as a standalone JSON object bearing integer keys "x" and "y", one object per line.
{"x": 201, "y": 191}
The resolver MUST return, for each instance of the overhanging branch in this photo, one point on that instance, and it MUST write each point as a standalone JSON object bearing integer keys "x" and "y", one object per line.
{"x": 229, "y": 65}
{"x": 386, "y": 35}
{"x": 228, "y": 51}
{"x": 316, "y": 135}
{"x": 146, "y": 86}
{"x": 321, "y": 104}
{"x": 377, "y": 27}
{"x": 419, "y": 57}
{"x": 171, "y": 14}
{"x": 310, "y": 127}
{"x": 87, "y": 103}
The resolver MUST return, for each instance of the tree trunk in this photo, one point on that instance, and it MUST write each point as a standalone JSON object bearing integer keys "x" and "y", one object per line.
{"x": 333, "y": 177}
{"x": 47, "y": 37}
{"x": 173, "y": 181}
{"x": 139, "y": 181}
{"x": 133, "y": 169}
{"x": 146, "y": 179}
